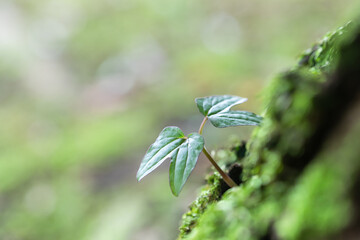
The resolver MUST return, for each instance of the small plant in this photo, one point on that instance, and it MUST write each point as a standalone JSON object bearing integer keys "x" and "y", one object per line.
{"x": 185, "y": 150}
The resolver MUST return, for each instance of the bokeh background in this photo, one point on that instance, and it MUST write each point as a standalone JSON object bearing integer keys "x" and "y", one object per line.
{"x": 86, "y": 86}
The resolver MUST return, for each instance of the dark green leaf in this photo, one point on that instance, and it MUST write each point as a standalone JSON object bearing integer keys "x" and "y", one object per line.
{"x": 184, "y": 161}
{"x": 166, "y": 143}
{"x": 212, "y": 105}
{"x": 217, "y": 109}
{"x": 234, "y": 118}
{"x": 184, "y": 152}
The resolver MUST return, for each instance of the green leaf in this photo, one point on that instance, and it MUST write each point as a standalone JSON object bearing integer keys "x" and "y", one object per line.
{"x": 217, "y": 109}
{"x": 184, "y": 152}
{"x": 184, "y": 161}
{"x": 166, "y": 143}
{"x": 234, "y": 118}
{"x": 212, "y": 105}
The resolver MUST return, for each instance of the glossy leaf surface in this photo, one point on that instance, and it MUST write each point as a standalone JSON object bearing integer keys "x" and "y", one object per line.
{"x": 184, "y": 152}
{"x": 212, "y": 105}
{"x": 217, "y": 109}
{"x": 234, "y": 118}
{"x": 184, "y": 161}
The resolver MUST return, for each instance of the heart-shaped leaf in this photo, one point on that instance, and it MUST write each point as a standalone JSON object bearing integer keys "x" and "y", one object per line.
{"x": 212, "y": 105}
{"x": 217, "y": 109}
{"x": 184, "y": 152}
{"x": 234, "y": 118}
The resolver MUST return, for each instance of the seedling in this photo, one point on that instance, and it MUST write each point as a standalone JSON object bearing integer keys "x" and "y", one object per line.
{"x": 184, "y": 150}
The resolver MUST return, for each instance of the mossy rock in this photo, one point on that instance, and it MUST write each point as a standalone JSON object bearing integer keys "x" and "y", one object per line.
{"x": 300, "y": 177}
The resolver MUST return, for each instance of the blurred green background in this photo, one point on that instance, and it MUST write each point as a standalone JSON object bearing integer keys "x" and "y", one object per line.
{"x": 86, "y": 86}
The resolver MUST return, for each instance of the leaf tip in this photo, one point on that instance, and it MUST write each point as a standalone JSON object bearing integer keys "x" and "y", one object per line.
{"x": 140, "y": 174}
{"x": 138, "y": 177}
{"x": 174, "y": 191}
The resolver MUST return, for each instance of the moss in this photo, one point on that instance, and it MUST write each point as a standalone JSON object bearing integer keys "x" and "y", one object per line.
{"x": 319, "y": 204}
{"x": 209, "y": 194}
{"x": 288, "y": 191}
{"x": 324, "y": 54}
{"x": 286, "y": 126}
{"x": 215, "y": 187}
{"x": 245, "y": 211}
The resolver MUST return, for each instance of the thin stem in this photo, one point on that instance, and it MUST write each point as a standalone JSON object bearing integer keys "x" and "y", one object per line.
{"x": 226, "y": 177}
{"x": 202, "y": 125}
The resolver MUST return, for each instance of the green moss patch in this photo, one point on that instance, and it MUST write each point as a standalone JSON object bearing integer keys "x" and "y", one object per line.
{"x": 293, "y": 185}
